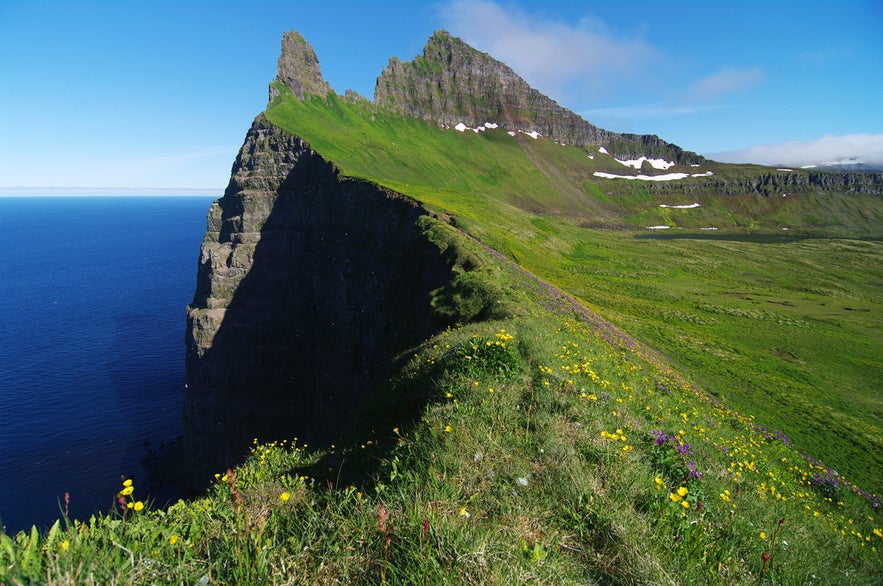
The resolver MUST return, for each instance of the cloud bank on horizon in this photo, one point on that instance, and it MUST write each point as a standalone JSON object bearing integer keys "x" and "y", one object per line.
{"x": 828, "y": 150}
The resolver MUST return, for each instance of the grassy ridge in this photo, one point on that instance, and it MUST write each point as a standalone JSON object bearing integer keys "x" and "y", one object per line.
{"x": 774, "y": 323}
{"x": 541, "y": 446}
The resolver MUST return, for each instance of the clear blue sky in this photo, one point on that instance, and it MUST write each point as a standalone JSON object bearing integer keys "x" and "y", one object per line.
{"x": 161, "y": 93}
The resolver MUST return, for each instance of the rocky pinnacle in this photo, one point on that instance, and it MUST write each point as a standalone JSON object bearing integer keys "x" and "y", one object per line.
{"x": 298, "y": 68}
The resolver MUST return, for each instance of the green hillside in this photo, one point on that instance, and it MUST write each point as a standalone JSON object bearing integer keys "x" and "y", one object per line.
{"x": 612, "y": 405}
{"x": 750, "y": 310}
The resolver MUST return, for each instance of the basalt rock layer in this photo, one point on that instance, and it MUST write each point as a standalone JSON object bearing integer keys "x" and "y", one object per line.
{"x": 309, "y": 285}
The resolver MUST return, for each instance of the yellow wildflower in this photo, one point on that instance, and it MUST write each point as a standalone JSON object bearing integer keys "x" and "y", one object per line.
{"x": 65, "y": 545}
{"x": 173, "y": 540}
{"x": 138, "y": 506}
{"x": 682, "y": 491}
{"x": 448, "y": 429}
{"x": 127, "y": 490}
{"x": 127, "y": 482}
{"x": 685, "y": 504}
{"x": 762, "y": 535}
{"x": 285, "y": 496}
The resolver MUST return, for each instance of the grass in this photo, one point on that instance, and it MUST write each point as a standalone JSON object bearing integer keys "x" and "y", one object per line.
{"x": 535, "y": 441}
{"x": 546, "y": 446}
{"x": 750, "y": 310}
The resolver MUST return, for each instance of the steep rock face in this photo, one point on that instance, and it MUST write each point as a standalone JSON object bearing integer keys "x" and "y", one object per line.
{"x": 453, "y": 82}
{"x": 308, "y": 288}
{"x": 298, "y": 68}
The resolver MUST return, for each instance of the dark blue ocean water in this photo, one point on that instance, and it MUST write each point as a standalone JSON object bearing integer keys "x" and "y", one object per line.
{"x": 93, "y": 292}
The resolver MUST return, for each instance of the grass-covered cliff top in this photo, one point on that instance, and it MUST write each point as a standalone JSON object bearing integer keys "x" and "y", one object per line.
{"x": 544, "y": 446}
{"x": 752, "y": 309}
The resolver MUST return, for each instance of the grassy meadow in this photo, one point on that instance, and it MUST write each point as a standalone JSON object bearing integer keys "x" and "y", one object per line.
{"x": 639, "y": 407}
{"x": 541, "y": 446}
{"x": 784, "y": 323}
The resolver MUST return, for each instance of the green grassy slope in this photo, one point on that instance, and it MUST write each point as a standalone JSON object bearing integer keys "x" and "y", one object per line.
{"x": 543, "y": 446}
{"x": 779, "y": 325}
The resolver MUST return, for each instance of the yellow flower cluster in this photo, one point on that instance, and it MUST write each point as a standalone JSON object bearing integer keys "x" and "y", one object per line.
{"x": 679, "y": 496}
{"x": 127, "y": 490}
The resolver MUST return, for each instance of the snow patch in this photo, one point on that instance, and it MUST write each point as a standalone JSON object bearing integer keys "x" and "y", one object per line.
{"x": 661, "y": 164}
{"x": 533, "y": 134}
{"x": 603, "y": 151}
{"x": 788, "y": 170}
{"x": 592, "y": 157}
{"x": 711, "y": 228}
{"x": 511, "y": 133}
{"x": 665, "y": 177}
{"x": 658, "y": 227}
{"x": 461, "y": 127}
{"x": 688, "y": 206}
{"x": 706, "y": 174}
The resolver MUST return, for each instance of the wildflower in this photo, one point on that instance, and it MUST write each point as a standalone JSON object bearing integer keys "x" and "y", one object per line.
{"x": 65, "y": 545}
{"x": 685, "y": 504}
{"x": 659, "y": 483}
{"x": 448, "y": 429}
{"x": 464, "y": 512}
{"x": 762, "y": 535}
{"x": 173, "y": 540}
{"x": 127, "y": 490}
{"x": 675, "y": 497}
{"x": 395, "y": 430}
{"x": 285, "y": 496}
{"x": 138, "y": 505}
{"x": 683, "y": 491}
{"x": 127, "y": 482}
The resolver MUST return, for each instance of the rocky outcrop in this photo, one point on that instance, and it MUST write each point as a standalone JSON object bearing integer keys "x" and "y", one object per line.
{"x": 780, "y": 182}
{"x": 453, "y": 82}
{"x": 298, "y": 68}
{"x": 309, "y": 286}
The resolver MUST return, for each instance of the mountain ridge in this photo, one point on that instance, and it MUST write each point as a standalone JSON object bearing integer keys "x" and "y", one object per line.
{"x": 454, "y": 83}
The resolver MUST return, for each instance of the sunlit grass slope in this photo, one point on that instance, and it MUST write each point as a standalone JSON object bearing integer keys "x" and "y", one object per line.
{"x": 540, "y": 446}
{"x": 775, "y": 323}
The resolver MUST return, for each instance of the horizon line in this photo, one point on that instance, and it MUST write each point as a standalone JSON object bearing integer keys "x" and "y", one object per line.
{"x": 75, "y": 190}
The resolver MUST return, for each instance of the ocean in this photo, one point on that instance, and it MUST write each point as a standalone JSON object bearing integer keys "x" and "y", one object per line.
{"x": 93, "y": 292}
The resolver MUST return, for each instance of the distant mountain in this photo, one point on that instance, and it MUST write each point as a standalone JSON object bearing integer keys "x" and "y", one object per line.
{"x": 453, "y": 83}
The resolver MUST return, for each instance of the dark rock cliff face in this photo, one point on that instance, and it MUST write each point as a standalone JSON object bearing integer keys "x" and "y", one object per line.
{"x": 453, "y": 82}
{"x": 308, "y": 288}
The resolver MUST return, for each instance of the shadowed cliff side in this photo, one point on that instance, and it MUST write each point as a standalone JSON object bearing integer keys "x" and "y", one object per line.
{"x": 308, "y": 288}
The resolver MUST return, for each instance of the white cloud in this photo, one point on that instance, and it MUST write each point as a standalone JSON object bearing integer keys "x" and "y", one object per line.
{"x": 549, "y": 54}
{"x": 866, "y": 148}
{"x": 725, "y": 81}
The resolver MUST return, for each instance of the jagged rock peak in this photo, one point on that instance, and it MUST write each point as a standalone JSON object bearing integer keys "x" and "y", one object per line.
{"x": 453, "y": 82}
{"x": 298, "y": 68}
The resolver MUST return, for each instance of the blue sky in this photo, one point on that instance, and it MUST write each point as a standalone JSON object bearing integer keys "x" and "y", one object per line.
{"x": 160, "y": 94}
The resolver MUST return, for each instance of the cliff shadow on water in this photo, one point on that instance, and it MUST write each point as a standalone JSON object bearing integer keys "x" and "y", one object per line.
{"x": 309, "y": 287}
